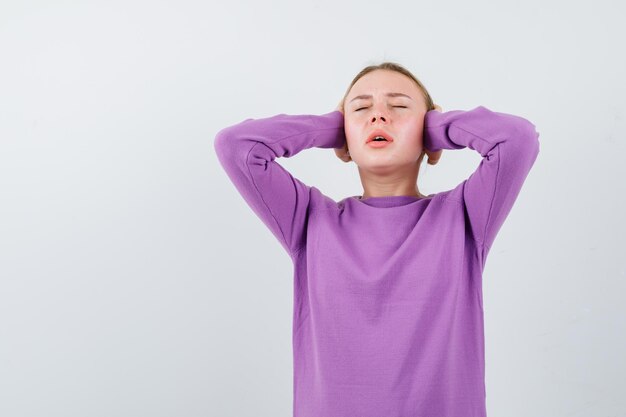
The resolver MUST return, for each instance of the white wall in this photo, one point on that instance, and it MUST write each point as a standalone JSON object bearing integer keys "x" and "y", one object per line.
{"x": 134, "y": 280}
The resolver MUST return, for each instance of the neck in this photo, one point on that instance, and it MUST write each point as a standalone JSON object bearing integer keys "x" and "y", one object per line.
{"x": 396, "y": 183}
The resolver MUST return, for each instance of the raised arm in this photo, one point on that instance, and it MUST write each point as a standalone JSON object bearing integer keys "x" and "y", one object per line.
{"x": 247, "y": 152}
{"x": 509, "y": 146}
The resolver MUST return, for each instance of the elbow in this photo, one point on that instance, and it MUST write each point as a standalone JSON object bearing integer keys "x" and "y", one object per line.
{"x": 531, "y": 138}
{"x": 227, "y": 138}
{"x": 220, "y": 144}
{"x": 230, "y": 137}
{"x": 225, "y": 144}
{"x": 524, "y": 140}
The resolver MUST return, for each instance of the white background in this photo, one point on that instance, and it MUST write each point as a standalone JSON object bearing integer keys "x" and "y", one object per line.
{"x": 135, "y": 281}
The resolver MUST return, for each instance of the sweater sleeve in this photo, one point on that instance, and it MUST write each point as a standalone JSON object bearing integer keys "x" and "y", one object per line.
{"x": 509, "y": 146}
{"x": 248, "y": 150}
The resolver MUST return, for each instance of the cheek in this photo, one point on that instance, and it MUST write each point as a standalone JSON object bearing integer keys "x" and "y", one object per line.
{"x": 415, "y": 131}
{"x": 352, "y": 136}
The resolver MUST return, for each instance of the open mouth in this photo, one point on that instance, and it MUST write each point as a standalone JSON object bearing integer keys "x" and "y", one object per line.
{"x": 379, "y": 143}
{"x": 379, "y": 136}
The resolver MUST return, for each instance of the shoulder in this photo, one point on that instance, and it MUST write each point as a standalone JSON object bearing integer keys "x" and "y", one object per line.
{"x": 322, "y": 202}
{"x": 451, "y": 196}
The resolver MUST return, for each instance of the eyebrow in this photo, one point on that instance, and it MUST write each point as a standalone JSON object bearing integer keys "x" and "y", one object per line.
{"x": 366, "y": 96}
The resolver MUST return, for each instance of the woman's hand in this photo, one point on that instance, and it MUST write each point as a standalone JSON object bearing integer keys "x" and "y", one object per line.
{"x": 340, "y": 106}
{"x": 342, "y": 153}
{"x": 433, "y": 157}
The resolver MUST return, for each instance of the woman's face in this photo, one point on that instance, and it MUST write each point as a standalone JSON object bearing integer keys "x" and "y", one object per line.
{"x": 368, "y": 107}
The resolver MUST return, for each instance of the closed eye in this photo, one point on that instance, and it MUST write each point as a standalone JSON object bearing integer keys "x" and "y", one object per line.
{"x": 403, "y": 107}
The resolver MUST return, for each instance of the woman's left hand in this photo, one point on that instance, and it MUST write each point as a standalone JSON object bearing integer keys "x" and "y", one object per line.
{"x": 433, "y": 157}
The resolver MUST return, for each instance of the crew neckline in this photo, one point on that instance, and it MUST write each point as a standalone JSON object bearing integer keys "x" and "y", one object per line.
{"x": 390, "y": 200}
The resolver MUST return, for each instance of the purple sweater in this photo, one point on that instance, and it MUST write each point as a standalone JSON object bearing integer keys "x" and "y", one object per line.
{"x": 387, "y": 312}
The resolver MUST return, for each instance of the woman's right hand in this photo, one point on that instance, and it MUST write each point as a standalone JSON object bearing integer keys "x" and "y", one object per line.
{"x": 342, "y": 153}
{"x": 340, "y": 107}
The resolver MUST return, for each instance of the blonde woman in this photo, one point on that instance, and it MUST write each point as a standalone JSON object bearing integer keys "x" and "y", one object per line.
{"x": 388, "y": 317}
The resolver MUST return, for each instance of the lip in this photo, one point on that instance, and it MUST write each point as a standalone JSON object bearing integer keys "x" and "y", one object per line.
{"x": 379, "y": 132}
{"x": 378, "y": 144}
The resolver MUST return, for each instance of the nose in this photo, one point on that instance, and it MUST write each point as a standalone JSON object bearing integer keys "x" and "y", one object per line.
{"x": 379, "y": 116}
{"x": 382, "y": 118}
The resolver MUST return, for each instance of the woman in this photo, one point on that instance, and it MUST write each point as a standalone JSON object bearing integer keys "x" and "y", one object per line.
{"x": 388, "y": 317}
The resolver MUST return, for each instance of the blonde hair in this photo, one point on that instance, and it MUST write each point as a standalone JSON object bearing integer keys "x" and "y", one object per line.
{"x": 392, "y": 66}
